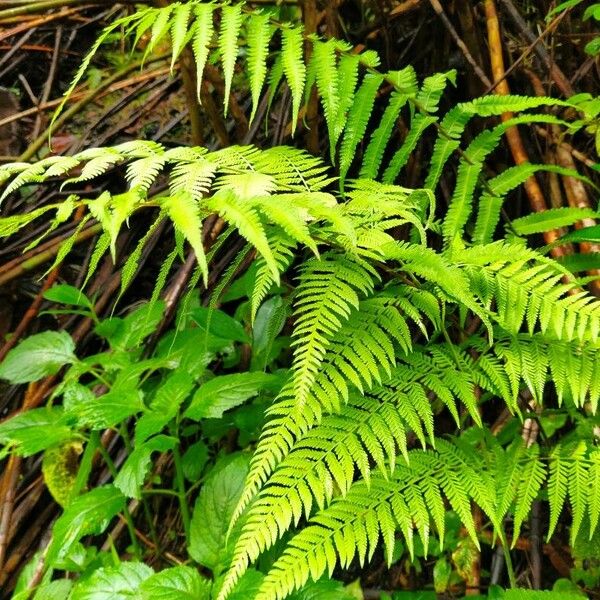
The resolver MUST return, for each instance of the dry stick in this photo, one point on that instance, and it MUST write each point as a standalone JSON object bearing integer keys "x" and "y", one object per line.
{"x": 36, "y": 23}
{"x": 237, "y": 112}
{"x": 188, "y": 77}
{"x": 49, "y": 80}
{"x": 405, "y": 7}
{"x": 42, "y": 5}
{"x": 27, "y": 541}
{"x": 14, "y": 48}
{"x": 9, "y": 484}
{"x": 89, "y": 97}
{"x": 437, "y": 7}
{"x": 532, "y": 187}
{"x": 214, "y": 115}
{"x": 31, "y": 313}
{"x": 580, "y": 156}
{"x": 502, "y": 77}
{"x": 576, "y": 193}
{"x": 535, "y": 537}
{"x": 41, "y": 257}
{"x": 14, "y": 466}
{"x": 309, "y": 13}
{"x": 539, "y": 48}
{"x": 558, "y": 562}
{"x": 80, "y": 94}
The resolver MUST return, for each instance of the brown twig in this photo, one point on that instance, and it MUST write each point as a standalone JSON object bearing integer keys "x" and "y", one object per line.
{"x": 437, "y": 7}
{"x": 539, "y": 48}
{"x": 17, "y": 267}
{"x": 76, "y": 108}
{"x": 501, "y": 77}
{"x": 532, "y": 187}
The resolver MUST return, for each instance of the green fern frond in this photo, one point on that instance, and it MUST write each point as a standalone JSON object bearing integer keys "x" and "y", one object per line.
{"x": 259, "y": 33}
{"x": 327, "y": 291}
{"x": 231, "y": 23}
{"x": 324, "y": 61}
{"x": 203, "y": 34}
{"x": 282, "y": 247}
{"x": 358, "y": 118}
{"x": 347, "y": 76}
{"x": 381, "y": 136}
{"x": 528, "y": 290}
{"x": 292, "y": 56}
{"x": 180, "y": 32}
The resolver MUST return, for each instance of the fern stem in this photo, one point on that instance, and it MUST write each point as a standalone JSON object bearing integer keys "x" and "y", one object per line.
{"x": 126, "y": 514}
{"x": 85, "y": 467}
{"x": 507, "y": 559}
{"x": 181, "y": 493}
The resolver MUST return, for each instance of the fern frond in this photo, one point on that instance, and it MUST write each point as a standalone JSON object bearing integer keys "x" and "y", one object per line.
{"x": 292, "y": 57}
{"x": 358, "y": 118}
{"x": 347, "y": 75}
{"x": 231, "y": 23}
{"x": 282, "y": 247}
{"x": 325, "y": 67}
{"x": 245, "y": 218}
{"x": 183, "y": 211}
{"x": 471, "y": 165}
{"x": 180, "y": 32}
{"x": 492, "y": 199}
{"x": 420, "y": 123}
{"x": 327, "y": 291}
{"x": 381, "y": 136}
{"x": 203, "y": 34}
{"x": 259, "y": 32}
{"x": 528, "y": 289}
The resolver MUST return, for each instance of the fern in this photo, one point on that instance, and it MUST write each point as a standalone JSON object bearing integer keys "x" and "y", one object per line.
{"x": 231, "y": 23}
{"x": 379, "y": 350}
{"x": 293, "y": 67}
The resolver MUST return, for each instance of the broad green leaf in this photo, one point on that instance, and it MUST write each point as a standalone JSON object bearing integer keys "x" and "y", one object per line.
{"x": 219, "y": 324}
{"x": 213, "y": 510}
{"x": 109, "y": 409}
{"x": 194, "y": 460}
{"x": 224, "y": 392}
{"x": 270, "y": 320}
{"x": 133, "y": 472}
{"x": 178, "y": 583}
{"x": 164, "y": 406}
{"x": 35, "y": 430}
{"x": 89, "y": 514}
{"x": 552, "y": 218}
{"x": 67, "y": 294}
{"x": 324, "y": 589}
{"x": 113, "y": 583}
{"x": 60, "y": 466}
{"x": 188, "y": 350}
{"x": 55, "y": 590}
{"x": 38, "y": 356}
{"x": 129, "y": 332}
